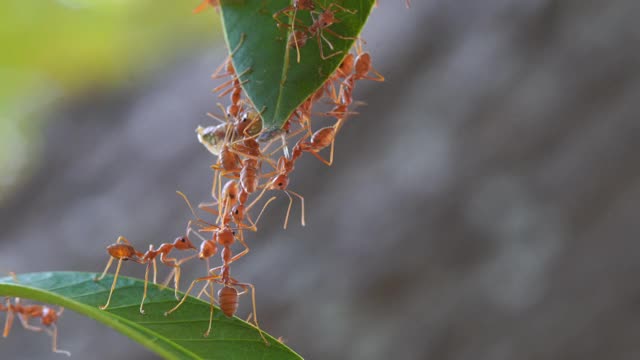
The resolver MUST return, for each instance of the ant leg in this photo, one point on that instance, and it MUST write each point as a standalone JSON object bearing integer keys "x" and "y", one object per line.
{"x": 122, "y": 239}
{"x": 24, "y": 320}
{"x": 54, "y": 336}
{"x": 326, "y": 40}
{"x": 106, "y": 269}
{"x": 286, "y": 218}
{"x": 319, "y": 37}
{"x": 217, "y": 118}
{"x": 208, "y": 207}
{"x": 339, "y": 36}
{"x": 378, "y": 77}
{"x": 173, "y": 262}
{"x": 284, "y": 145}
{"x": 242, "y": 253}
{"x": 8, "y": 323}
{"x": 231, "y": 81}
{"x": 176, "y": 283}
{"x": 113, "y": 286}
{"x": 244, "y": 151}
{"x": 186, "y": 294}
{"x": 215, "y": 74}
{"x": 295, "y": 40}
{"x": 254, "y": 225}
{"x": 301, "y": 202}
{"x": 146, "y": 282}
{"x": 341, "y": 8}
{"x": 284, "y": 11}
{"x": 328, "y": 163}
{"x": 210, "y": 295}
{"x": 258, "y": 198}
{"x": 193, "y": 212}
{"x": 235, "y": 86}
{"x": 212, "y": 298}
{"x": 203, "y": 5}
{"x": 155, "y": 272}
{"x": 253, "y": 301}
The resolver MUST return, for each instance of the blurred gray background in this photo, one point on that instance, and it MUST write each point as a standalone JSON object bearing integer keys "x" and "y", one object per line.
{"x": 484, "y": 205}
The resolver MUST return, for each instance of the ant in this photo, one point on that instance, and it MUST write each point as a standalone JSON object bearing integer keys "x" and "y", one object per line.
{"x": 361, "y": 69}
{"x": 287, "y": 11}
{"x": 228, "y": 295}
{"x": 203, "y": 5}
{"x": 230, "y": 70}
{"x": 320, "y": 140}
{"x": 324, "y": 20}
{"x": 123, "y": 251}
{"x": 48, "y": 318}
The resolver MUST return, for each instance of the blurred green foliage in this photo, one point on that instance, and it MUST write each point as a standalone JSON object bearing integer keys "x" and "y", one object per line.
{"x": 55, "y": 50}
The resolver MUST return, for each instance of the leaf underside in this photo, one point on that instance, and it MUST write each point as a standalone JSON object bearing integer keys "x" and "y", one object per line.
{"x": 177, "y": 336}
{"x": 275, "y": 82}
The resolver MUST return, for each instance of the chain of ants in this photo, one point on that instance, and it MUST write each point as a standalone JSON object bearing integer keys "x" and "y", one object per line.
{"x": 241, "y": 164}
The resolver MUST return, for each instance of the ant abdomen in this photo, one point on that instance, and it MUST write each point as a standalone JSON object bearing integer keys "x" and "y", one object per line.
{"x": 121, "y": 251}
{"x": 228, "y": 298}
{"x": 323, "y": 137}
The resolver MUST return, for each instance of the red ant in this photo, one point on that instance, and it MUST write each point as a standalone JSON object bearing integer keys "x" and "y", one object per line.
{"x": 319, "y": 140}
{"x": 230, "y": 70}
{"x": 203, "y": 5}
{"x": 324, "y": 20}
{"x": 228, "y": 295}
{"x": 123, "y": 251}
{"x": 297, "y": 5}
{"x": 48, "y": 318}
{"x": 362, "y": 68}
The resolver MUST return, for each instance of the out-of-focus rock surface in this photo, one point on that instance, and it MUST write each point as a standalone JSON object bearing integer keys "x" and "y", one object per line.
{"x": 484, "y": 205}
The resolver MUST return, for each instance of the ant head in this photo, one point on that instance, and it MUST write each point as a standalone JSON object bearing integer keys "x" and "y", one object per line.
{"x": 280, "y": 182}
{"x": 327, "y": 19}
{"x": 237, "y": 212}
{"x": 183, "y": 243}
{"x": 48, "y": 316}
{"x": 207, "y": 250}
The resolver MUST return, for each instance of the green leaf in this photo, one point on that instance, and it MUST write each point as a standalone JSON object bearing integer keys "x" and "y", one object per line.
{"x": 276, "y": 83}
{"x": 177, "y": 336}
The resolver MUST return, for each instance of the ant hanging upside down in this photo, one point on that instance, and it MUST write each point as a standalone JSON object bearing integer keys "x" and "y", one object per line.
{"x": 47, "y": 315}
